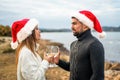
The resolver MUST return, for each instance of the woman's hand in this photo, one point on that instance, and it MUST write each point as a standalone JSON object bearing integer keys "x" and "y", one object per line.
{"x": 49, "y": 58}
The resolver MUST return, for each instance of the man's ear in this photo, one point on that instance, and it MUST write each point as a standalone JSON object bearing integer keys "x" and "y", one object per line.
{"x": 85, "y": 27}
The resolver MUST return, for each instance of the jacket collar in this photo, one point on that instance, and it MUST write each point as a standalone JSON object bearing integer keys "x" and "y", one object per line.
{"x": 84, "y": 35}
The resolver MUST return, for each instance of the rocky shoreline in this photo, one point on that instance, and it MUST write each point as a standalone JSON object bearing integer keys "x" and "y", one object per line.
{"x": 8, "y": 67}
{"x": 112, "y": 70}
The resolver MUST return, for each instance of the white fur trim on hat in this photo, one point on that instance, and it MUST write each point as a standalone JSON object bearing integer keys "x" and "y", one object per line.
{"x": 85, "y": 20}
{"x": 27, "y": 30}
{"x": 14, "y": 45}
{"x": 102, "y": 35}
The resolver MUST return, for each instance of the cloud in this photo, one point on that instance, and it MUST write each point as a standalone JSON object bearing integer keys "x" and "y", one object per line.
{"x": 56, "y": 12}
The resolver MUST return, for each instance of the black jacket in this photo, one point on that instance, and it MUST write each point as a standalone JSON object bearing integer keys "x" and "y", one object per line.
{"x": 86, "y": 58}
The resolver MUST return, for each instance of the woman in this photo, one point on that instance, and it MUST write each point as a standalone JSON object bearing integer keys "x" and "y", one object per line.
{"x": 30, "y": 66}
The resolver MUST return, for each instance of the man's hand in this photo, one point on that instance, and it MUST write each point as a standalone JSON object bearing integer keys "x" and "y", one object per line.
{"x": 56, "y": 58}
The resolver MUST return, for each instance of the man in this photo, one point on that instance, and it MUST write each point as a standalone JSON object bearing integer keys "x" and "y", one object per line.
{"x": 87, "y": 52}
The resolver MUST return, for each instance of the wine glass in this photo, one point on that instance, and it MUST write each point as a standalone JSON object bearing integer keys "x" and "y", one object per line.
{"x": 52, "y": 51}
{"x": 55, "y": 50}
{"x": 48, "y": 50}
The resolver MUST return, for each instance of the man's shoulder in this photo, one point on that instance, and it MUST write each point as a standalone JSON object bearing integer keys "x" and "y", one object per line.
{"x": 95, "y": 42}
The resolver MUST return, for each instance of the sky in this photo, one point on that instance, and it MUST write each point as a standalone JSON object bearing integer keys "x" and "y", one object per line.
{"x": 56, "y": 13}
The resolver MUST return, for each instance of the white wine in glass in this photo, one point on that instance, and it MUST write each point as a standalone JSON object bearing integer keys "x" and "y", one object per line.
{"x": 52, "y": 51}
{"x": 55, "y": 50}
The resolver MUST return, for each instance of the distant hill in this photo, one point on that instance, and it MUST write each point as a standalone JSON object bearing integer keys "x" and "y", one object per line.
{"x": 6, "y": 30}
{"x": 55, "y": 30}
{"x": 106, "y": 28}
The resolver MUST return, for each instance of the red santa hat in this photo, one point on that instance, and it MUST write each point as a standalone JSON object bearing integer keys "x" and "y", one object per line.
{"x": 90, "y": 20}
{"x": 21, "y": 30}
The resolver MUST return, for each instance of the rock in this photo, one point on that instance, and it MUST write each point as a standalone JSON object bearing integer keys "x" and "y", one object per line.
{"x": 108, "y": 65}
{"x": 112, "y": 71}
{"x": 117, "y": 77}
{"x": 115, "y": 66}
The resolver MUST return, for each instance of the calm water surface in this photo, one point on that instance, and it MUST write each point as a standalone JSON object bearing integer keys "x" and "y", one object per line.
{"x": 111, "y": 42}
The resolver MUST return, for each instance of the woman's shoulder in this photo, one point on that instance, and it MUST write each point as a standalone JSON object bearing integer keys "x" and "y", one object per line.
{"x": 25, "y": 51}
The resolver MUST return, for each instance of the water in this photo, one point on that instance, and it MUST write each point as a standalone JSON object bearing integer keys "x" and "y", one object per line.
{"x": 111, "y": 42}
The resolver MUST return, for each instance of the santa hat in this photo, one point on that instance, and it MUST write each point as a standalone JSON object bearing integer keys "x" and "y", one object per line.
{"x": 21, "y": 30}
{"x": 90, "y": 20}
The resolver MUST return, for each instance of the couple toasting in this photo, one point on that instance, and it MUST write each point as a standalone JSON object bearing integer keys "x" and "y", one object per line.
{"x": 86, "y": 53}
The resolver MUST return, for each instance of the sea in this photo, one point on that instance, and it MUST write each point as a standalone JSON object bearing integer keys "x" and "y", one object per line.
{"x": 111, "y": 42}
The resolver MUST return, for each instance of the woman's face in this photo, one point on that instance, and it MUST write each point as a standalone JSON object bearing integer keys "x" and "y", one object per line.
{"x": 37, "y": 33}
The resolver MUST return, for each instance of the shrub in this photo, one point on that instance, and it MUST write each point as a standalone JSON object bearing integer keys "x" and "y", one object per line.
{"x": 5, "y": 30}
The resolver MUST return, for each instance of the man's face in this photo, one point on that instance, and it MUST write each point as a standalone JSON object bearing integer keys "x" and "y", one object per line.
{"x": 77, "y": 27}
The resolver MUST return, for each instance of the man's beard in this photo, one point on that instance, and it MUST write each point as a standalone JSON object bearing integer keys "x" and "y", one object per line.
{"x": 77, "y": 33}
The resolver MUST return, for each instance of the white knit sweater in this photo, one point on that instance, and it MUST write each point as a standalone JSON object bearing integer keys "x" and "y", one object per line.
{"x": 31, "y": 67}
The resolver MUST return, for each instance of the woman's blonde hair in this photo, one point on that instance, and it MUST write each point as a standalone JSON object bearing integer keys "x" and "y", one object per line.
{"x": 29, "y": 42}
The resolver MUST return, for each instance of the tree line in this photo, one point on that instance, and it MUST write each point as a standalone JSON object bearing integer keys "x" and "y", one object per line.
{"x": 5, "y": 30}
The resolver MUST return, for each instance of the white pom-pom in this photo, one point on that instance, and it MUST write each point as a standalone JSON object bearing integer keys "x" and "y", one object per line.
{"x": 102, "y": 35}
{"x": 14, "y": 45}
